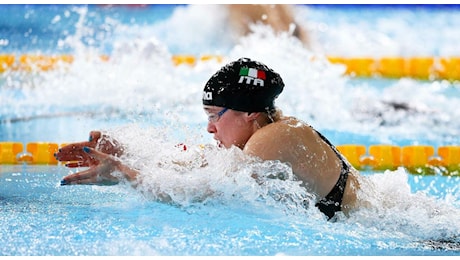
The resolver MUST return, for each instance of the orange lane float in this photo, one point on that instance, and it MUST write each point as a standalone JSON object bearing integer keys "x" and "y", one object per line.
{"x": 36, "y": 153}
{"x": 383, "y": 157}
{"x": 417, "y": 159}
{"x": 192, "y": 60}
{"x": 9, "y": 152}
{"x": 6, "y": 62}
{"x": 422, "y": 68}
{"x": 448, "y": 68}
{"x": 40, "y": 153}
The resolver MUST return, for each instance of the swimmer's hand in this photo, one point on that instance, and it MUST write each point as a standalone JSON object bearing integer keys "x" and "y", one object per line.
{"x": 101, "y": 172}
{"x": 73, "y": 153}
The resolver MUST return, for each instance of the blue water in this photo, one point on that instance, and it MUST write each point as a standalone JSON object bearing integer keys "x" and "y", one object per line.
{"x": 39, "y": 218}
{"x": 152, "y": 105}
{"x": 38, "y": 28}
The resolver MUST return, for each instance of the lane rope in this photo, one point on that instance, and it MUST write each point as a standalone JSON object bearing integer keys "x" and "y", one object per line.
{"x": 417, "y": 159}
{"x": 423, "y": 68}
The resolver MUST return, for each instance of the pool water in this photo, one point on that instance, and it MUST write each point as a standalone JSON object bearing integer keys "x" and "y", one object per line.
{"x": 150, "y": 104}
{"x": 40, "y": 218}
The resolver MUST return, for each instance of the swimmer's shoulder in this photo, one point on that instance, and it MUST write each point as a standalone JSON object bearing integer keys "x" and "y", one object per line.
{"x": 285, "y": 124}
{"x": 286, "y": 132}
{"x": 274, "y": 136}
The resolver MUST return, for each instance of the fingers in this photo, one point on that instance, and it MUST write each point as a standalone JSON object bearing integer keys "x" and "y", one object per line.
{"x": 76, "y": 164}
{"x": 75, "y": 156}
{"x": 88, "y": 177}
{"x": 84, "y": 177}
{"x": 74, "y": 153}
{"x": 94, "y": 136}
{"x": 100, "y": 174}
{"x": 90, "y": 155}
{"x": 93, "y": 153}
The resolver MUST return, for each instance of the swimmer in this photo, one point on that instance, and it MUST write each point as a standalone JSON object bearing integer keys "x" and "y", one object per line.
{"x": 239, "y": 100}
{"x": 277, "y": 16}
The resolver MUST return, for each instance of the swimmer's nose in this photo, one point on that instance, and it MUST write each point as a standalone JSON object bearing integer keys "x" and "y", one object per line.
{"x": 211, "y": 128}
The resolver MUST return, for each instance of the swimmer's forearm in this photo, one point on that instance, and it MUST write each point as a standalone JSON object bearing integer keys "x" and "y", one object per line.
{"x": 129, "y": 173}
{"x": 132, "y": 175}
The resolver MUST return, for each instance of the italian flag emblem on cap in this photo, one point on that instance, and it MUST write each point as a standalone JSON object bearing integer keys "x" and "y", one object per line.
{"x": 253, "y": 73}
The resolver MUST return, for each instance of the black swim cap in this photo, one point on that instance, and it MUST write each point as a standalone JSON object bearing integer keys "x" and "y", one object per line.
{"x": 243, "y": 85}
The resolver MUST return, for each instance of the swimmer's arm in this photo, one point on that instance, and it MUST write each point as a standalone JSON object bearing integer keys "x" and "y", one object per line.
{"x": 100, "y": 173}
{"x": 263, "y": 146}
{"x": 104, "y": 173}
{"x": 74, "y": 155}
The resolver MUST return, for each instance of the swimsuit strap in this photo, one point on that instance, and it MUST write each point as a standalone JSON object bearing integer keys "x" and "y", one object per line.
{"x": 332, "y": 203}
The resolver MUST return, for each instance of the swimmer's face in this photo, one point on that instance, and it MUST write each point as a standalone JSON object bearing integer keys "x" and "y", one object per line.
{"x": 229, "y": 127}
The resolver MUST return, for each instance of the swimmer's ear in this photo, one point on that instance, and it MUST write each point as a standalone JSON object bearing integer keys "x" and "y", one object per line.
{"x": 252, "y": 116}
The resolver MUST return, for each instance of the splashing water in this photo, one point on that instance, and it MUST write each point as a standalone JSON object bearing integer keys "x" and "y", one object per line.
{"x": 150, "y": 105}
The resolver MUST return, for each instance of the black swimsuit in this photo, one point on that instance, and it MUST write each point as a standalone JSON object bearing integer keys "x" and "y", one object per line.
{"x": 332, "y": 203}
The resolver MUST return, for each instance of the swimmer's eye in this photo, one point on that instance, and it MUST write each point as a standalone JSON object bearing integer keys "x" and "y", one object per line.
{"x": 215, "y": 117}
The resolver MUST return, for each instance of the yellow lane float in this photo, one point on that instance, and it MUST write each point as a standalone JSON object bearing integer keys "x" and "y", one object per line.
{"x": 9, "y": 152}
{"x": 417, "y": 159}
{"x": 423, "y": 68}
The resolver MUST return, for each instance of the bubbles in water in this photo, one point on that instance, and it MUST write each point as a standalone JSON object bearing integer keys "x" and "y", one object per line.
{"x": 391, "y": 206}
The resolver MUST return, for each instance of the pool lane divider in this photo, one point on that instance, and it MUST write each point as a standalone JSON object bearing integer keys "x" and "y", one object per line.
{"x": 422, "y": 67}
{"x": 417, "y": 159}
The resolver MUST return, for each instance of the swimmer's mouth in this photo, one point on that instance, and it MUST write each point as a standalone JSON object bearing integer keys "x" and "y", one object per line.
{"x": 219, "y": 143}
